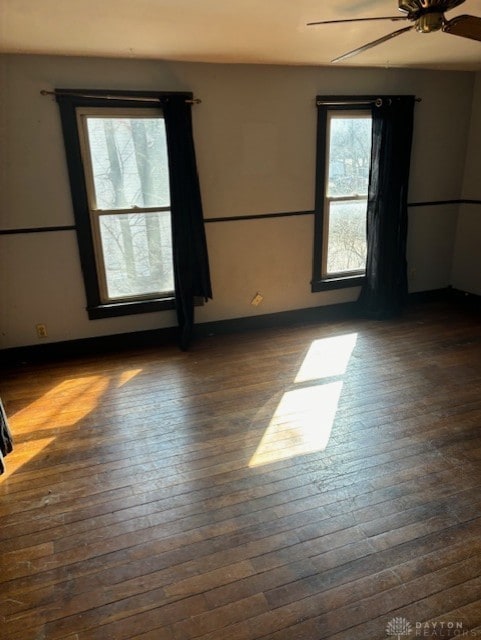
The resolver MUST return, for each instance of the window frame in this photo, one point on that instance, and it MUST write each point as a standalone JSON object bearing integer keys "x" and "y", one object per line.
{"x": 95, "y": 212}
{"x": 325, "y": 106}
{"x": 70, "y": 101}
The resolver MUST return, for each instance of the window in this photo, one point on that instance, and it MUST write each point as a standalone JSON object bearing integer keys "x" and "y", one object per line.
{"x": 343, "y": 163}
{"x": 125, "y": 161}
{"x": 118, "y": 163}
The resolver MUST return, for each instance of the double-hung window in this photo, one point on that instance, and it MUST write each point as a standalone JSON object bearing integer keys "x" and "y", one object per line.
{"x": 118, "y": 161}
{"x": 124, "y": 155}
{"x": 342, "y": 181}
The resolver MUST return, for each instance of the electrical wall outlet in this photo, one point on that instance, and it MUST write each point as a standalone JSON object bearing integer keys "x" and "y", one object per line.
{"x": 257, "y": 299}
{"x": 41, "y": 331}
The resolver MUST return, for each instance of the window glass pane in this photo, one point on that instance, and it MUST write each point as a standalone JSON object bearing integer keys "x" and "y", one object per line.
{"x": 129, "y": 162}
{"x": 347, "y": 248}
{"x": 137, "y": 250}
{"x": 349, "y": 155}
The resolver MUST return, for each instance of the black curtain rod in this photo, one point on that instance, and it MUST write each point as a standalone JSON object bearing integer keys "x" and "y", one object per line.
{"x": 44, "y": 92}
{"x": 337, "y": 103}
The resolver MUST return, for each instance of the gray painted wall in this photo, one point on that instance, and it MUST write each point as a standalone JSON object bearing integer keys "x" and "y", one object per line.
{"x": 255, "y": 136}
{"x": 466, "y": 273}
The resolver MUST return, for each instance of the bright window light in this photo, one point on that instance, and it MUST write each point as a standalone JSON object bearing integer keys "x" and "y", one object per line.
{"x": 327, "y": 357}
{"x": 63, "y": 406}
{"x": 304, "y": 418}
{"x": 301, "y": 424}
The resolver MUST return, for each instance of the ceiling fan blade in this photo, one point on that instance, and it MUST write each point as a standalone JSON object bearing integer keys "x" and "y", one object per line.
{"x": 464, "y": 26}
{"x": 392, "y": 18}
{"x": 374, "y": 43}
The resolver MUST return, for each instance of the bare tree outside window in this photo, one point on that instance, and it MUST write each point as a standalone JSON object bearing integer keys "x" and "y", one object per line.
{"x": 347, "y": 237}
{"x": 349, "y": 157}
{"x": 130, "y": 204}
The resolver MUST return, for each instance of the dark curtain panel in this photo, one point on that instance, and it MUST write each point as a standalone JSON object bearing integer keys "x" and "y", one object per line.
{"x": 6, "y": 444}
{"x": 385, "y": 288}
{"x": 191, "y": 264}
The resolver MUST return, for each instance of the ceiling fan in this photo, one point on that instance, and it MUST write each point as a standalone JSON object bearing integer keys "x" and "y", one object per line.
{"x": 427, "y": 16}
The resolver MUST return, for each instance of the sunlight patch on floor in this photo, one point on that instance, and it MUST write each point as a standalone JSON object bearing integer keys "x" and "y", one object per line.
{"x": 66, "y": 404}
{"x": 22, "y": 454}
{"x": 304, "y": 418}
{"x": 62, "y": 406}
{"x": 301, "y": 424}
{"x": 126, "y": 376}
{"x": 327, "y": 358}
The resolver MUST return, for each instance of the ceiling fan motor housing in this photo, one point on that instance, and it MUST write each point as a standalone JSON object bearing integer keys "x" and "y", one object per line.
{"x": 411, "y": 7}
{"x": 418, "y": 8}
{"x": 428, "y": 15}
{"x": 429, "y": 22}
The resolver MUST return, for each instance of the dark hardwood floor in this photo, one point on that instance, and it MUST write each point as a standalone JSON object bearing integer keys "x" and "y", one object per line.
{"x": 296, "y": 483}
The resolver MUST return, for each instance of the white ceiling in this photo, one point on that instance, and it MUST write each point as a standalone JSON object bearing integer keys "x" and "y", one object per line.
{"x": 241, "y": 31}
